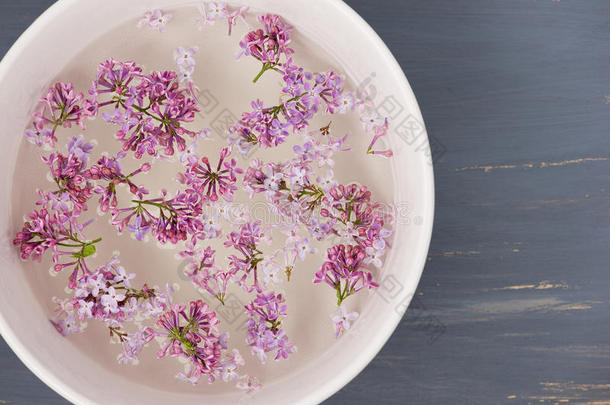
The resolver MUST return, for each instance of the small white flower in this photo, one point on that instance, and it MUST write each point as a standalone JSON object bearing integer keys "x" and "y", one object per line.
{"x": 184, "y": 56}
{"x": 110, "y": 301}
{"x": 298, "y": 176}
{"x": 327, "y": 182}
{"x": 373, "y": 256}
{"x": 371, "y": 120}
{"x": 303, "y": 248}
{"x": 123, "y": 276}
{"x": 71, "y": 324}
{"x": 272, "y": 182}
{"x": 217, "y": 10}
{"x": 347, "y": 102}
{"x": 228, "y": 372}
{"x": 270, "y": 271}
{"x": 190, "y": 155}
{"x": 97, "y": 283}
{"x": 85, "y": 309}
{"x": 158, "y": 20}
{"x": 342, "y": 319}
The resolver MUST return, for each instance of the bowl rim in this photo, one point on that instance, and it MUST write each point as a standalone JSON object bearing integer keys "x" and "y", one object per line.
{"x": 341, "y": 379}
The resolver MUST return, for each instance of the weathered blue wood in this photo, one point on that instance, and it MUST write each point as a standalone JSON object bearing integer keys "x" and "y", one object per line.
{"x": 513, "y": 305}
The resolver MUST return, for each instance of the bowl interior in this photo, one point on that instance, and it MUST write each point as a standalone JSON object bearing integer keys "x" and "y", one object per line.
{"x": 83, "y": 367}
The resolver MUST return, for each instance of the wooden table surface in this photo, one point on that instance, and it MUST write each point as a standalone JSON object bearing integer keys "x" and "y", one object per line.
{"x": 513, "y": 305}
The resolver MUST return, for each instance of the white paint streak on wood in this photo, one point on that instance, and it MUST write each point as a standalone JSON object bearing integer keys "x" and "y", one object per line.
{"x": 530, "y": 165}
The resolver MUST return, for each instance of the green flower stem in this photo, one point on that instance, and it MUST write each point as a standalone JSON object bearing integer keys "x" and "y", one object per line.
{"x": 266, "y": 66}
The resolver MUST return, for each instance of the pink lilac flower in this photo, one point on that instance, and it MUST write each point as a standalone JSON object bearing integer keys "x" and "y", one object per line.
{"x": 59, "y": 232}
{"x": 110, "y": 170}
{"x": 186, "y": 68}
{"x": 217, "y": 10}
{"x": 303, "y": 248}
{"x": 249, "y": 384}
{"x": 213, "y": 182}
{"x": 139, "y": 228}
{"x": 343, "y": 271}
{"x": 67, "y": 173}
{"x": 61, "y": 107}
{"x": 57, "y": 201}
{"x": 193, "y": 335}
{"x": 155, "y": 19}
{"x": 110, "y": 300}
{"x": 80, "y": 148}
{"x": 40, "y": 136}
{"x": 204, "y": 273}
{"x": 105, "y": 294}
{"x": 342, "y": 320}
{"x": 169, "y": 219}
{"x": 238, "y": 13}
{"x": 373, "y": 256}
{"x": 380, "y": 131}
{"x": 351, "y": 205}
{"x": 246, "y": 241}
{"x": 114, "y": 77}
{"x": 133, "y": 344}
{"x": 268, "y": 44}
{"x": 65, "y": 321}
{"x": 306, "y": 94}
{"x": 327, "y": 182}
{"x": 230, "y": 365}
{"x": 265, "y": 333}
{"x": 346, "y": 103}
{"x": 184, "y": 56}
{"x": 68, "y": 325}
{"x": 370, "y": 118}
{"x": 271, "y": 270}
{"x": 149, "y": 109}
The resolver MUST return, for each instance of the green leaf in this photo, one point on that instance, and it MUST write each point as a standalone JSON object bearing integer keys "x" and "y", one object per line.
{"x": 88, "y": 250}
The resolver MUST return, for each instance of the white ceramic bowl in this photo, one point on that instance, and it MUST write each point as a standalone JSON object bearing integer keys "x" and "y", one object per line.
{"x": 70, "y": 26}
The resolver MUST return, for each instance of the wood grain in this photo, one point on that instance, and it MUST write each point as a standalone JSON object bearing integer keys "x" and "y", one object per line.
{"x": 513, "y": 305}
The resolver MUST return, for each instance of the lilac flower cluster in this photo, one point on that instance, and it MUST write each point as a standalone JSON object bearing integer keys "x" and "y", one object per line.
{"x": 59, "y": 232}
{"x": 110, "y": 170}
{"x": 193, "y": 334}
{"x": 342, "y": 320}
{"x": 293, "y": 186}
{"x": 61, "y": 107}
{"x": 375, "y": 125}
{"x": 155, "y": 19}
{"x": 186, "y": 67}
{"x": 326, "y": 209}
{"x": 265, "y": 334}
{"x": 218, "y": 11}
{"x": 149, "y": 110}
{"x": 169, "y": 219}
{"x": 343, "y": 271}
{"x": 204, "y": 273}
{"x": 246, "y": 241}
{"x": 268, "y": 44}
{"x": 72, "y": 184}
{"x": 213, "y": 182}
{"x": 174, "y": 219}
{"x": 106, "y": 294}
{"x": 304, "y": 94}
{"x": 364, "y": 221}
